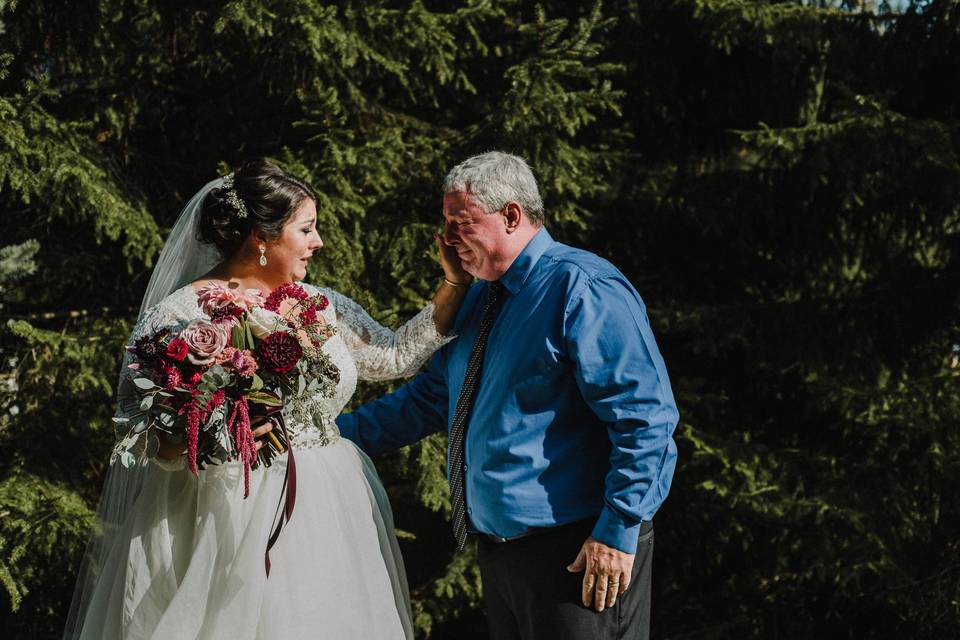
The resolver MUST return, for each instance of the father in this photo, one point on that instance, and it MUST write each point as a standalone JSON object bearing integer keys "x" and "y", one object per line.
{"x": 559, "y": 411}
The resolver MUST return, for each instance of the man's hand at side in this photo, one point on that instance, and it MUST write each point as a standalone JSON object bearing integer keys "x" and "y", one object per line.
{"x": 606, "y": 575}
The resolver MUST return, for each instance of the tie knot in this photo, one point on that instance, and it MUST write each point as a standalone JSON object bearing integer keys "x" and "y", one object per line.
{"x": 494, "y": 290}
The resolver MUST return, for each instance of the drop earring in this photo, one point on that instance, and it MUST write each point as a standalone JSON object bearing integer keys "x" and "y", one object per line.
{"x": 263, "y": 256}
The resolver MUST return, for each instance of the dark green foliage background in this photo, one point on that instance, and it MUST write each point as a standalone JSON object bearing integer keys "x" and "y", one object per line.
{"x": 779, "y": 180}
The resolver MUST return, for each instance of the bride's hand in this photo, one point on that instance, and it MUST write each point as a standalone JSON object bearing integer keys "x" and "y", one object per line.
{"x": 261, "y": 425}
{"x": 450, "y": 261}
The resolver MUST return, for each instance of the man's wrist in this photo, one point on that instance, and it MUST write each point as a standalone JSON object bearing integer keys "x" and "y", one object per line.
{"x": 614, "y": 530}
{"x": 453, "y": 283}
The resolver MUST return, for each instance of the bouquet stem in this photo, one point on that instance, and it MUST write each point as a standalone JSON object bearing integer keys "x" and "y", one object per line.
{"x": 273, "y": 445}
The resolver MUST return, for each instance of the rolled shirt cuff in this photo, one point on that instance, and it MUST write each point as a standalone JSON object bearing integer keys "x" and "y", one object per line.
{"x": 614, "y": 530}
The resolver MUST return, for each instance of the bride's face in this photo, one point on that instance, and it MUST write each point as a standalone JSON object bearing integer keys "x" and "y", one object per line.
{"x": 289, "y": 254}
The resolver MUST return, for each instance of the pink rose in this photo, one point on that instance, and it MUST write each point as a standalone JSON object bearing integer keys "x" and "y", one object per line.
{"x": 262, "y": 322}
{"x": 205, "y": 340}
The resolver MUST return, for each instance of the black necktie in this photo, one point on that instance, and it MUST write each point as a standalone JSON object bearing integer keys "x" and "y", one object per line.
{"x": 462, "y": 414}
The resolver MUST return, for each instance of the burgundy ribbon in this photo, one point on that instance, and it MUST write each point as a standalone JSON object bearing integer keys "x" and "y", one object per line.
{"x": 288, "y": 496}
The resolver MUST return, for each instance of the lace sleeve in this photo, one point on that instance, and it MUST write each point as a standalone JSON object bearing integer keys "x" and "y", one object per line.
{"x": 382, "y": 354}
{"x": 158, "y": 317}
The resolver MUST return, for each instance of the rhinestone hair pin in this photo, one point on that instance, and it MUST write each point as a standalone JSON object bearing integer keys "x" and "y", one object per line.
{"x": 233, "y": 197}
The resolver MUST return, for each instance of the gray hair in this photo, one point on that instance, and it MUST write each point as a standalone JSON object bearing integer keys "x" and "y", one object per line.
{"x": 496, "y": 178}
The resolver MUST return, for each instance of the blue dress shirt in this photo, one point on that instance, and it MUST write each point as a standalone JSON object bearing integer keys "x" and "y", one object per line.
{"x": 573, "y": 417}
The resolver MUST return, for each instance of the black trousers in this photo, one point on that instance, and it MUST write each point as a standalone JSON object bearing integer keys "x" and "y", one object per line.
{"x": 530, "y": 595}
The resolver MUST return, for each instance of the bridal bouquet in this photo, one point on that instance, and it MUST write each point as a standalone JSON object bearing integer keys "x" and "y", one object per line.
{"x": 201, "y": 385}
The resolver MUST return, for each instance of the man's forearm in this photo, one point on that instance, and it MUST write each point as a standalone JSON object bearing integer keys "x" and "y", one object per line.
{"x": 403, "y": 417}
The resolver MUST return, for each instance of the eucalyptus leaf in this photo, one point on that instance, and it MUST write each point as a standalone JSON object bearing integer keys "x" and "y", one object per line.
{"x": 144, "y": 383}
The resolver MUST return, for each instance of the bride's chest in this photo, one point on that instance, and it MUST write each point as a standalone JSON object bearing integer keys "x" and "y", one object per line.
{"x": 336, "y": 348}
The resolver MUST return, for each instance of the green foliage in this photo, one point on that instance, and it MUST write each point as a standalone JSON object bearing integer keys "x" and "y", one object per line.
{"x": 779, "y": 180}
{"x": 43, "y": 529}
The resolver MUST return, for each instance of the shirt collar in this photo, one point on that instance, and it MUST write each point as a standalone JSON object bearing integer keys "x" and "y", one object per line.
{"x": 523, "y": 265}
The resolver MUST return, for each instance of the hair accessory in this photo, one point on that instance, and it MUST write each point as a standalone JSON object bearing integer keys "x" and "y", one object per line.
{"x": 233, "y": 197}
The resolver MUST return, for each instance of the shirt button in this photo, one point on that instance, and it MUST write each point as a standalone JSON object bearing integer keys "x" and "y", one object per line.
{"x": 470, "y": 510}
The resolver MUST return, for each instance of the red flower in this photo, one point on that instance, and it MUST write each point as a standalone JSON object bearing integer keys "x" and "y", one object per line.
{"x": 177, "y": 349}
{"x": 280, "y": 352}
{"x": 322, "y": 302}
{"x": 217, "y": 399}
{"x": 193, "y": 433}
{"x": 309, "y": 315}
{"x": 229, "y": 314}
{"x": 172, "y": 377}
{"x": 281, "y": 293}
{"x": 195, "y": 378}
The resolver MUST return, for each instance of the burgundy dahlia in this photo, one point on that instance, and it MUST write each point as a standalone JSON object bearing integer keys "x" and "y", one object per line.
{"x": 280, "y": 352}
{"x": 149, "y": 347}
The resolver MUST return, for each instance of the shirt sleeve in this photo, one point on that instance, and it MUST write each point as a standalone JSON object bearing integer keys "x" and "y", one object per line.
{"x": 622, "y": 378}
{"x": 403, "y": 417}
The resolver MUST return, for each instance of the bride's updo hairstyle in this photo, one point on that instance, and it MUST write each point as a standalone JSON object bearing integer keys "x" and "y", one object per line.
{"x": 262, "y": 198}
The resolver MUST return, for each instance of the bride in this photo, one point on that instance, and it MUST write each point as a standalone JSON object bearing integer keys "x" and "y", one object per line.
{"x": 182, "y": 556}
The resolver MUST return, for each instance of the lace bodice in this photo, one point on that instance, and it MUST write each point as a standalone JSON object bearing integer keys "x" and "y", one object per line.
{"x": 361, "y": 348}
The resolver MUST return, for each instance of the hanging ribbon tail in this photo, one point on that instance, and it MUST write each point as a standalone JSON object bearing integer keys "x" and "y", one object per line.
{"x": 288, "y": 495}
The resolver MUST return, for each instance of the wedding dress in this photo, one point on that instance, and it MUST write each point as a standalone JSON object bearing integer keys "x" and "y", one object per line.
{"x": 183, "y": 556}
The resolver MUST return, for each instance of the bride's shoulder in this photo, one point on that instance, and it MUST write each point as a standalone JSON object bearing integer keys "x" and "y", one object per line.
{"x": 172, "y": 311}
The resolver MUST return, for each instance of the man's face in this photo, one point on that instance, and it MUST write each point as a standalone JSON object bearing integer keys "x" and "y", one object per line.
{"x": 480, "y": 238}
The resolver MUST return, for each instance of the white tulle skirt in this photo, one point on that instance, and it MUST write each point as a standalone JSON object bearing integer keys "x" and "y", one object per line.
{"x": 186, "y": 559}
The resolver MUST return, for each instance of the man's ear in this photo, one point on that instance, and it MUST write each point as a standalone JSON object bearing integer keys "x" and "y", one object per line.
{"x": 512, "y": 216}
